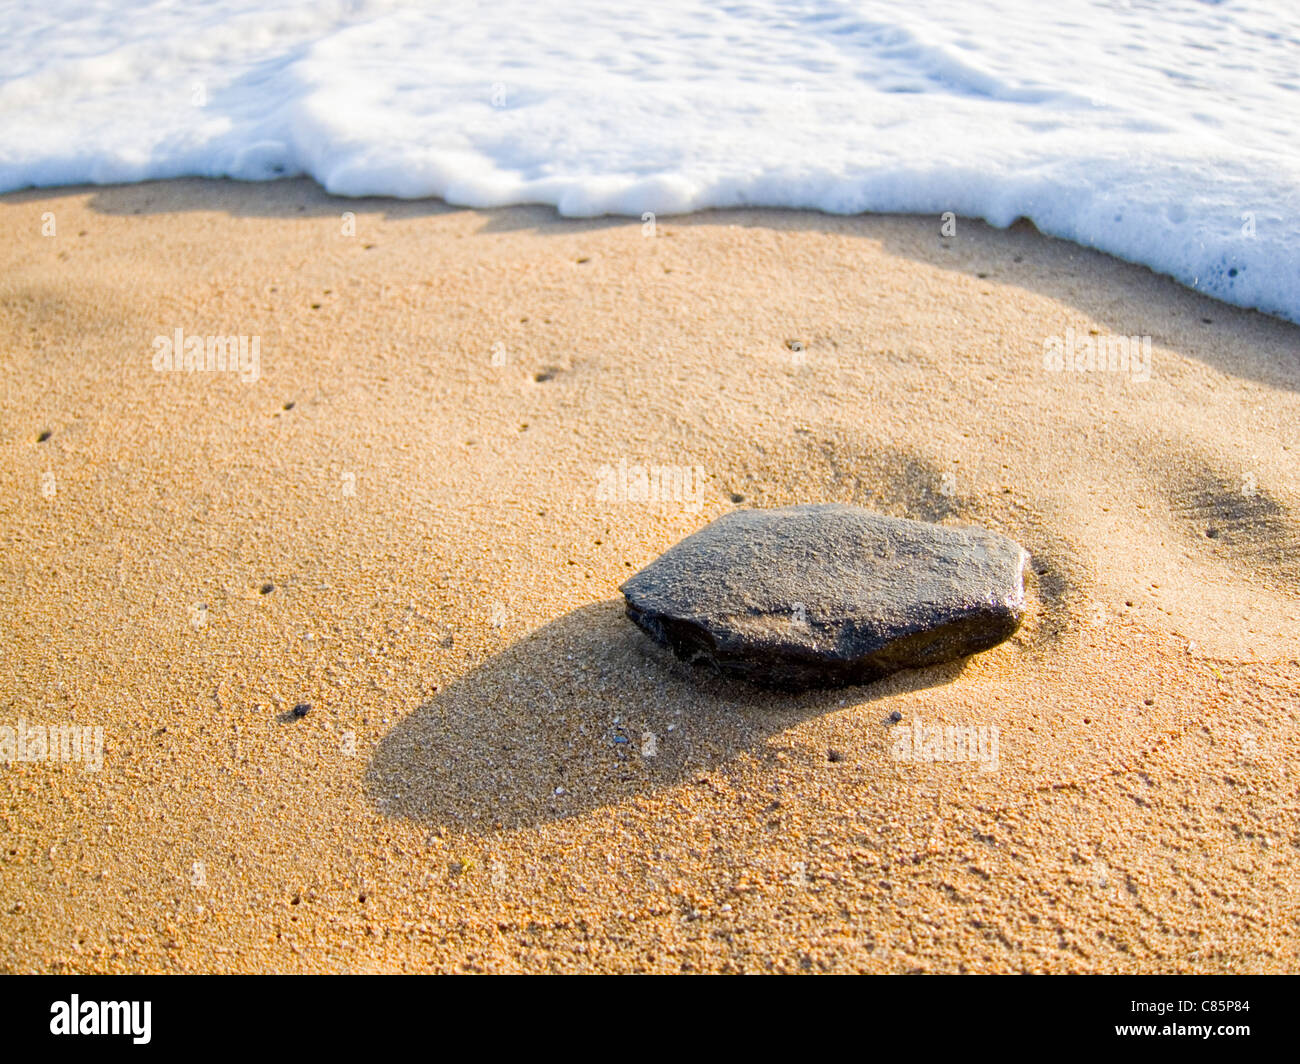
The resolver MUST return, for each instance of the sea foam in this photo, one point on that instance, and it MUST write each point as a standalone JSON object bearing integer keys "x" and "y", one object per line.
{"x": 1161, "y": 131}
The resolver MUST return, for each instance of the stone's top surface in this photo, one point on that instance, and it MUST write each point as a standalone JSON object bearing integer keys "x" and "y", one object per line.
{"x": 829, "y": 592}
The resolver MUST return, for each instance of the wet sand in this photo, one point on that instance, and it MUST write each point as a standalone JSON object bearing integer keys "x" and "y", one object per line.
{"x": 399, "y": 522}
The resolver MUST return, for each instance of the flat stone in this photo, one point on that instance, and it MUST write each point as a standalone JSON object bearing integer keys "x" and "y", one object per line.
{"x": 825, "y": 595}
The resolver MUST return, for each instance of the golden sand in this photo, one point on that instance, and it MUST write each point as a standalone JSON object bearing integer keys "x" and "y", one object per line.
{"x": 499, "y": 772}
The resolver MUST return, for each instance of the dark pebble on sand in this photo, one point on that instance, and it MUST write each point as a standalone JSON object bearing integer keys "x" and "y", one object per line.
{"x": 895, "y": 716}
{"x": 827, "y": 595}
{"x": 301, "y": 709}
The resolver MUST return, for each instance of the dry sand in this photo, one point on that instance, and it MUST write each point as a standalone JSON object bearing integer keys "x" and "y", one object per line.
{"x": 445, "y": 596}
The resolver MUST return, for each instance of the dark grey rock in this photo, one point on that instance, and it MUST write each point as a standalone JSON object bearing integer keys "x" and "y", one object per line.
{"x": 826, "y": 595}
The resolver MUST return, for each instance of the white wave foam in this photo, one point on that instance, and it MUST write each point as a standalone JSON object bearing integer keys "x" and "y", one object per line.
{"x": 1162, "y": 132}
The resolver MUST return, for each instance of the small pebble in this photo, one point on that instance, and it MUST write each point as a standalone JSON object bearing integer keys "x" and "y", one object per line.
{"x": 302, "y": 709}
{"x": 895, "y": 716}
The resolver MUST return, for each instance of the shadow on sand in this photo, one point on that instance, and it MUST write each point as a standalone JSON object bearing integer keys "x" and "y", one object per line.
{"x": 580, "y": 714}
{"x": 1129, "y": 301}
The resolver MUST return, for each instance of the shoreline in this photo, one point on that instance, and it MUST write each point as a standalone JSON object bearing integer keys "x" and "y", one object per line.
{"x": 399, "y": 206}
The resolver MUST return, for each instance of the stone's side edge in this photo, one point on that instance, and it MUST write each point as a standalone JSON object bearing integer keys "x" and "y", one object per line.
{"x": 790, "y": 670}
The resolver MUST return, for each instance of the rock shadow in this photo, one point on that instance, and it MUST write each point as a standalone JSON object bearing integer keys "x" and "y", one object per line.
{"x": 583, "y": 713}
